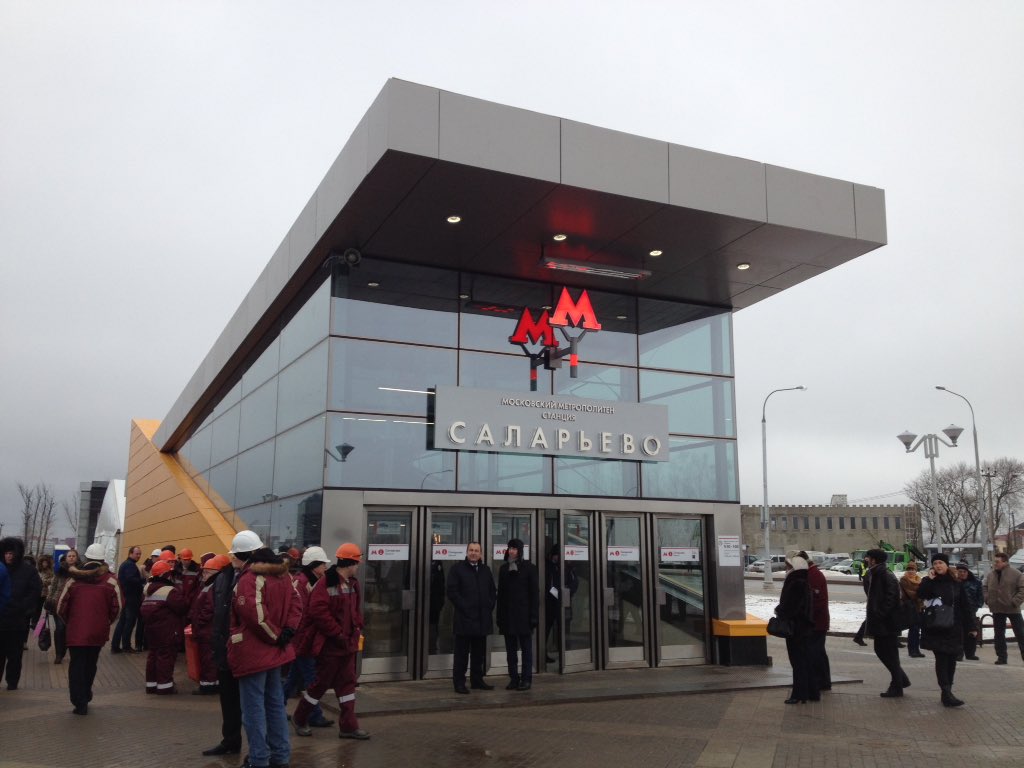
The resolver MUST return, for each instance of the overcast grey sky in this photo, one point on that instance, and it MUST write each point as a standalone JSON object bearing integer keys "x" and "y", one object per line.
{"x": 153, "y": 155}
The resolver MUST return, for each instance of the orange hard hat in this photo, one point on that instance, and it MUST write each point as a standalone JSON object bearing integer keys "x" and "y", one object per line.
{"x": 186, "y": 554}
{"x": 168, "y": 556}
{"x": 160, "y": 567}
{"x": 349, "y": 551}
{"x": 217, "y": 562}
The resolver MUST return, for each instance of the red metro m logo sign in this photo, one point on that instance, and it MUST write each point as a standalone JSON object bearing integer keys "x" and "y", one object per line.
{"x": 567, "y": 313}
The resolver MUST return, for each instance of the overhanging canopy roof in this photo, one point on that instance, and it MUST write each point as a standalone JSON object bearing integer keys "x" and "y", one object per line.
{"x": 516, "y": 178}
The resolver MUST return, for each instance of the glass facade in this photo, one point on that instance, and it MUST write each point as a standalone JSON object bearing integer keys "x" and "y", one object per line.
{"x": 340, "y": 397}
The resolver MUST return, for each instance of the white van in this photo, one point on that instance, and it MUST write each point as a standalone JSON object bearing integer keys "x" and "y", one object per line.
{"x": 1017, "y": 560}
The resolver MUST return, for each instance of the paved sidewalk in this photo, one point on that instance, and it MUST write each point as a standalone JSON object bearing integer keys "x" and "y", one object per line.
{"x": 688, "y": 716}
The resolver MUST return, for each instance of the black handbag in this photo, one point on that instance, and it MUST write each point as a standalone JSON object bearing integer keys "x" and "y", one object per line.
{"x": 937, "y": 617}
{"x": 44, "y": 637}
{"x": 779, "y": 627}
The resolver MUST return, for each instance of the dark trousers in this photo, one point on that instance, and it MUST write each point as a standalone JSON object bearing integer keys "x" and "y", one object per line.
{"x": 140, "y": 634}
{"x": 914, "y": 638}
{"x": 60, "y": 635}
{"x": 81, "y": 673}
{"x": 999, "y": 624}
{"x": 801, "y": 659}
{"x": 471, "y": 649}
{"x": 126, "y": 625}
{"x": 821, "y": 670}
{"x": 945, "y": 669}
{"x": 887, "y": 649}
{"x": 971, "y": 642}
{"x": 12, "y": 646}
{"x": 230, "y": 710}
{"x": 514, "y": 644}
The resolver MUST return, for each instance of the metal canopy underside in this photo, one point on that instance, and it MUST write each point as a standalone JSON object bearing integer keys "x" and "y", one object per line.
{"x": 516, "y": 178}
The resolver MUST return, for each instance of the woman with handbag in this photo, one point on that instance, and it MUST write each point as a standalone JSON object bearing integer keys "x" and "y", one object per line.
{"x": 794, "y": 609}
{"x": 944, "y": 622}
{"x": 60, "y": 579}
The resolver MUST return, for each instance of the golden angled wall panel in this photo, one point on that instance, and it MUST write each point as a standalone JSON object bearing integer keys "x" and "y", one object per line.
{"x": 163, "y": 505}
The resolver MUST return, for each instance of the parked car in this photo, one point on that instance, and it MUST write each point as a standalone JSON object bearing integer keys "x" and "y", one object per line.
{"x": 845, "y": 566}
{"x": 758, "y": 566}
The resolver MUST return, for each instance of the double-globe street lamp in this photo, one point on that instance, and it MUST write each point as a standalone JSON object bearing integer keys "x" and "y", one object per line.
{"x": 765, "y": 516}
{"x": 985, "y": 517}
{"x": 931, "y": 452}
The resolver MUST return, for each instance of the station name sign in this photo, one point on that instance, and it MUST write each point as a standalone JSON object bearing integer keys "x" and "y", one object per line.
{"x": 515, "y": 422}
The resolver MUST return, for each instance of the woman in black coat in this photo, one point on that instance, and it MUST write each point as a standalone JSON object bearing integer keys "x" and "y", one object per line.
{"x": 940, "y": 587}
{"x": 795, "y": 605}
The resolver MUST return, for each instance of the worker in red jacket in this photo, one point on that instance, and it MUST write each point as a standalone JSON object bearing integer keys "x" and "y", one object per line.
{"x": 163, "y": 607}
{"x": 88, "y": 605}
{"x": 335, "y": 615}
{"x": 265, "y": 615}
{"x": 201, "y": 616}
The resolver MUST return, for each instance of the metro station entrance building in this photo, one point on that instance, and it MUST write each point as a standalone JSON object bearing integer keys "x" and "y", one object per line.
{"x": 489, "y": 323}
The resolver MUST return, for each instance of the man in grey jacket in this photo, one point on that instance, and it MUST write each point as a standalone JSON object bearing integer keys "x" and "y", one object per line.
{"x": 1004, "y": 594}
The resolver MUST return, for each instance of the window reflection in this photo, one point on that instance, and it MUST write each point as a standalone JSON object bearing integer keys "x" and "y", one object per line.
{"x": 598, "y": 382}
{"x": 299, "y": 458}
{"x": 698, "y": 469}
{"x": 512, "y": 372}
{"x": 302, "y": 388}
{"x": 682, "y": 337}
{"x": 504, "y": 472}
{"x": 387, "y": 378}
{"x": 291, "y": 522}
{"x": 366, "y": 451}
{"x": 595, "y": 477}
{"x": 697, "y": 405}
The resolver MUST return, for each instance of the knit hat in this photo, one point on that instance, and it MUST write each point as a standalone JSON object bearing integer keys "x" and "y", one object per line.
{"x": 911, "y": 566}
{"x": 940, "y": 556}
{"x": 797, "y": 563}
{"x": 963, "y": 566}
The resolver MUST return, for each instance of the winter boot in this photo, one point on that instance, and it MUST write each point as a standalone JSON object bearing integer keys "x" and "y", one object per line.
{"x": 948, "y": 699}
{"x": 893, "y": 692}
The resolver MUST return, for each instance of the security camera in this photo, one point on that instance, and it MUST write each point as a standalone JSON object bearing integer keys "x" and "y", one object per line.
{"x": 352, "y": 256}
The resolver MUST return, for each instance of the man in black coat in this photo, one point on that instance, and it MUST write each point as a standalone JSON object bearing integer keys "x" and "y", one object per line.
{"x": 132, "y": 583}
{"x": 518, "y": 613}
{"x": 227, "y": 685}
{"x": 883, "y": 593}
{"x": 472, "y": 592}
{"x": 26, "y": 587}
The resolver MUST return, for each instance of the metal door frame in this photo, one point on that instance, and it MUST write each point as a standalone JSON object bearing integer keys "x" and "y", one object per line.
{"x": 409, "y": 601}
{"x": 566, "y": 664}
{"x": 424, "y": 670}
{"x": 495, "y": 662}
{"x": 658, "y": 598}
{"x": 644, "y": 541}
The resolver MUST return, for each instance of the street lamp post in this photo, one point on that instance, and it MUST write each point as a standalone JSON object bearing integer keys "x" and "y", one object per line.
{"x": 931, "y": 451}
{"x": 765, "y": 516}
{"x": 985, "y": 516}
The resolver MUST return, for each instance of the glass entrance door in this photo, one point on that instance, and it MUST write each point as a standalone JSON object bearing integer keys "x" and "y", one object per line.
{"x": 388, "y": 589}
{"x": 624, "y": 590}
{"x": 570, "y": 591}
{"x": 682, "y": 618}
{"x": 448, "y": 533}
{"x": 502, "y": 526}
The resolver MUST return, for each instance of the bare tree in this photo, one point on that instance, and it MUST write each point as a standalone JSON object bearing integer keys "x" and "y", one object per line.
{"x": 37, "y": 516}
{"x": 958, "y": 518}
{"x": 70, "y": 508}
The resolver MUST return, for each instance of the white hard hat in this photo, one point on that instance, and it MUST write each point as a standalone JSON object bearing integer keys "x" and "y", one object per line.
{"x": 245, "y": 541}
{"x": 155, "y": 553}
{"x": 94, "y": 552}
{"x": 315, "y": 555}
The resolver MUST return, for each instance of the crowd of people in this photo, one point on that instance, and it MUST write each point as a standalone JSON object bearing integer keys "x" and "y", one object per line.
{"x": 266, "y": 625}
{"x": 938, "y": 611}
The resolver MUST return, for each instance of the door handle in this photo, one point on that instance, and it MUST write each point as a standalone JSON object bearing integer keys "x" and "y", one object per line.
{"x": 609, "y": 597}
{"x": 662, "y": 597}
{"x": 407, "y": 600}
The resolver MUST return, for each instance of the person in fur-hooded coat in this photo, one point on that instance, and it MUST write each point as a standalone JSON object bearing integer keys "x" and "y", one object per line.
{"x": 88, "y": 605}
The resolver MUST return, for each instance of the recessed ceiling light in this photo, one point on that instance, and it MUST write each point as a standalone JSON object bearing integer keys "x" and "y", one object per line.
{"x": 559, "y": 237}
{"x": 744, "y": 265}
{"x": 620, "y": 317}
{"x": 373, "y": 285}
{"x": 463, "y": 295}
{"x": 454, "y": 219}
{"x": 656, "y": 252}
{"x": 547, "y": 307}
